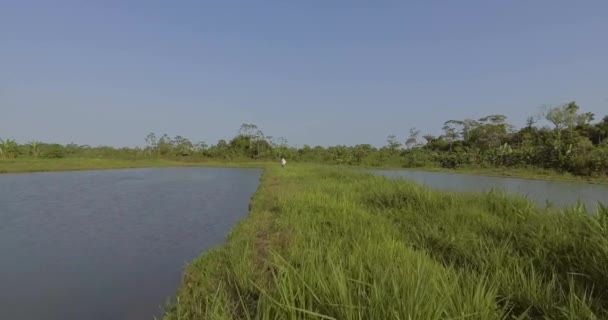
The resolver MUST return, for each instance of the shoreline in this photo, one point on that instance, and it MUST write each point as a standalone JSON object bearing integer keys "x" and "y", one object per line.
{"x": 86, "y": 164}
{"x": 83, "y": 164}
{"x": 525, "y": 174}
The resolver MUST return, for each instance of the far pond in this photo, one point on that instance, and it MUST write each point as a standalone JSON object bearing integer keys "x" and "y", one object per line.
{"x": 556, "y": 193}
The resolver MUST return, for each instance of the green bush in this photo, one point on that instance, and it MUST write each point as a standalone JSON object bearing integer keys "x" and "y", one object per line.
{"x": 53, "y": 151}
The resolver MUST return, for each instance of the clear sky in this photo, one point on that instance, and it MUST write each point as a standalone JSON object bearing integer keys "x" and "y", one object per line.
{"x": 315, "y": 72}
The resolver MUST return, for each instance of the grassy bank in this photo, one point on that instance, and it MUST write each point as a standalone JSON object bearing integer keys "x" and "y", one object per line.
{"x": 71, "y": 164}
{"x": 325, "y": 243}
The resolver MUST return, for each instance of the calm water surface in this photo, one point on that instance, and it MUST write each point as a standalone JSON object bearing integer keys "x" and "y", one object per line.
{"x": 542, "y": 192}
{"x": 109, "y": 244}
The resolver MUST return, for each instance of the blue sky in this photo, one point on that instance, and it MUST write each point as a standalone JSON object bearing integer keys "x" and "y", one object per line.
{"x": 314, "y": 72}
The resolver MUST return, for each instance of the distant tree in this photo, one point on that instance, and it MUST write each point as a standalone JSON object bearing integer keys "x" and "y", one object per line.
{"x": 566, "y": 116}
{"x": 164, "y": 145}
{"x": 221, "y": 149}
{"x": 412, "y": 140}
{"x": 255, "y": 138}
{"x": 429, "y": 138}
{"x": 464, "y": 126}
{"x": 182, "y": 146}
{"x": 282, "y": 142}
{"x": 361, "y": 152}
{"x": 222, "y": 144}
{"x": 392, "y": 143}
{"x": 151, "y": 143}
{"x": 248, "y": 130}
{"x": 200, "y": 146}
{"x": 489, "y": 132}
{"x": 281, "y": 147}
{"x": 602, "y": 130}
{"x": 530, "y": 121}
{"x": 450, "y": 135}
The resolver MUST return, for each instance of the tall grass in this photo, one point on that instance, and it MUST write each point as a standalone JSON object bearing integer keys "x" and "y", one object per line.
{"x": 323, "y": 243}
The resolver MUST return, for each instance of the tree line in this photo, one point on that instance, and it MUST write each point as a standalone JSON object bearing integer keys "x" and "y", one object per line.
{"x": 570, "y": 141}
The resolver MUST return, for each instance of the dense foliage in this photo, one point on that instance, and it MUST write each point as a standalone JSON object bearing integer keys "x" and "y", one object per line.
{"x": 570, "y": 142}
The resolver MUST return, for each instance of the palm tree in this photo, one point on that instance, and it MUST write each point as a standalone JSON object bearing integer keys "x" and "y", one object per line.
{"x": 8, "y": 148}
{"x": 35, "y": 148}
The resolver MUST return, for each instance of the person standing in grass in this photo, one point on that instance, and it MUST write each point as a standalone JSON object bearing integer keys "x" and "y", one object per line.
{"x": 283, "y": 162}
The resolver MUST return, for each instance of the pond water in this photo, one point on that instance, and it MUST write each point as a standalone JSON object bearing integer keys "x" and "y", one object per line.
{"x": 542, "y": 192}
{"x": 110, "y": 244}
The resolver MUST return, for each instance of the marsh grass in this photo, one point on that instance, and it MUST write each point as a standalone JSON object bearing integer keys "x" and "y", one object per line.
{"x": 327, "y": 243}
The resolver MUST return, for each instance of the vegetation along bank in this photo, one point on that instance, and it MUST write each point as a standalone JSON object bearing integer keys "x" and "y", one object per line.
{"x": 560, "y": 142}
{"x": 327, "y": 243}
